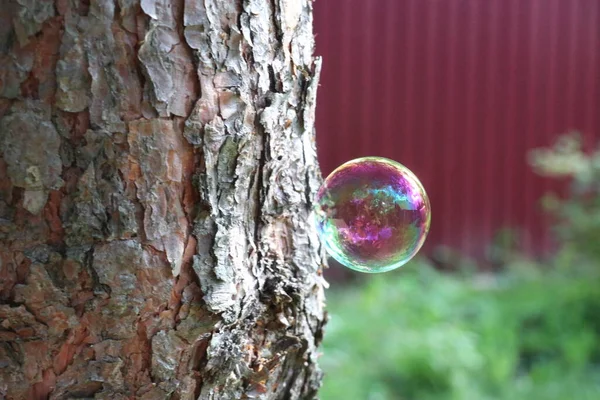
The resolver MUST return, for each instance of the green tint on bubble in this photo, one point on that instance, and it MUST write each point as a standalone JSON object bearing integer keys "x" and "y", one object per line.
{"x": 372, "y": 214}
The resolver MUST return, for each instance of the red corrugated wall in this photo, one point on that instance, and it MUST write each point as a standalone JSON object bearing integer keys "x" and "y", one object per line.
{"x": 459, "y": 91}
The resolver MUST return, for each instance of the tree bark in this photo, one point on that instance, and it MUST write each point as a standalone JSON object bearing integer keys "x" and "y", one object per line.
{"x": 157, "y": 170}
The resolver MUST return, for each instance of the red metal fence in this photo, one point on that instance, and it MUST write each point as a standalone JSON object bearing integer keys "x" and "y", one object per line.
{"x": 459, "y": 91}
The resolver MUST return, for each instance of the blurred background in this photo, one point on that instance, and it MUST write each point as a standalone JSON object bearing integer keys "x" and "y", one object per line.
{"x": 481, "y": 99}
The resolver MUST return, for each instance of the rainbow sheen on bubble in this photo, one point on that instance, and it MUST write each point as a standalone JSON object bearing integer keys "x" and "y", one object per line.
{"x": 372, "y": 214}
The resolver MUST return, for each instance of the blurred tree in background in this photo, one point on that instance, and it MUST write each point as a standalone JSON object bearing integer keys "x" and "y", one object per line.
{"x": 578, "y": 217}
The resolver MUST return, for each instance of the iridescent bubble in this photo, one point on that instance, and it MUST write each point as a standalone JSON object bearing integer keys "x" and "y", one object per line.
{"x": 372, "y": 214}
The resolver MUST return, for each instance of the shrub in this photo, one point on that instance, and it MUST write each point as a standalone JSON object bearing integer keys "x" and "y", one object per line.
{"x": 427, "y": 335}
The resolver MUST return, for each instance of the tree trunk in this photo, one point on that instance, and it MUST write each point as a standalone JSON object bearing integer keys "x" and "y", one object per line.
{"x": 156, "y": 176}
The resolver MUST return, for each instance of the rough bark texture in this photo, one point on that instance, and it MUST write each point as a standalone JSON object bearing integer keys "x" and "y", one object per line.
{"x": 157, "y": 165}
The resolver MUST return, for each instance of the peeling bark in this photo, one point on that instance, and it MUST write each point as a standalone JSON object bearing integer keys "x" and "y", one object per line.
{"x": 157, "y": 168}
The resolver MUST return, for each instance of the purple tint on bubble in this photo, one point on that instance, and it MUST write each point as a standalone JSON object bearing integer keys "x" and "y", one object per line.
{"x": 372, "y": 214}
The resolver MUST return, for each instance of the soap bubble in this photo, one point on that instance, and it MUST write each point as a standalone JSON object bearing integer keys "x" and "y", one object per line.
{"x": 372, "y": 214}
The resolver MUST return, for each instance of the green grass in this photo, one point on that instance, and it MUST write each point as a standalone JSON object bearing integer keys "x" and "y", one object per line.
{"x": 529, "y": 333}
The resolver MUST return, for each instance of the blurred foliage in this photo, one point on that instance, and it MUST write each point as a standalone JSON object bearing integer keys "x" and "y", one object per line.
{"x": 530, "y": 332}
{"x": 578, "y": 216}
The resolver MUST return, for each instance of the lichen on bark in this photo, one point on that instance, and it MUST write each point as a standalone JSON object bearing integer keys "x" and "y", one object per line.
{"x": 157, "y": 167}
